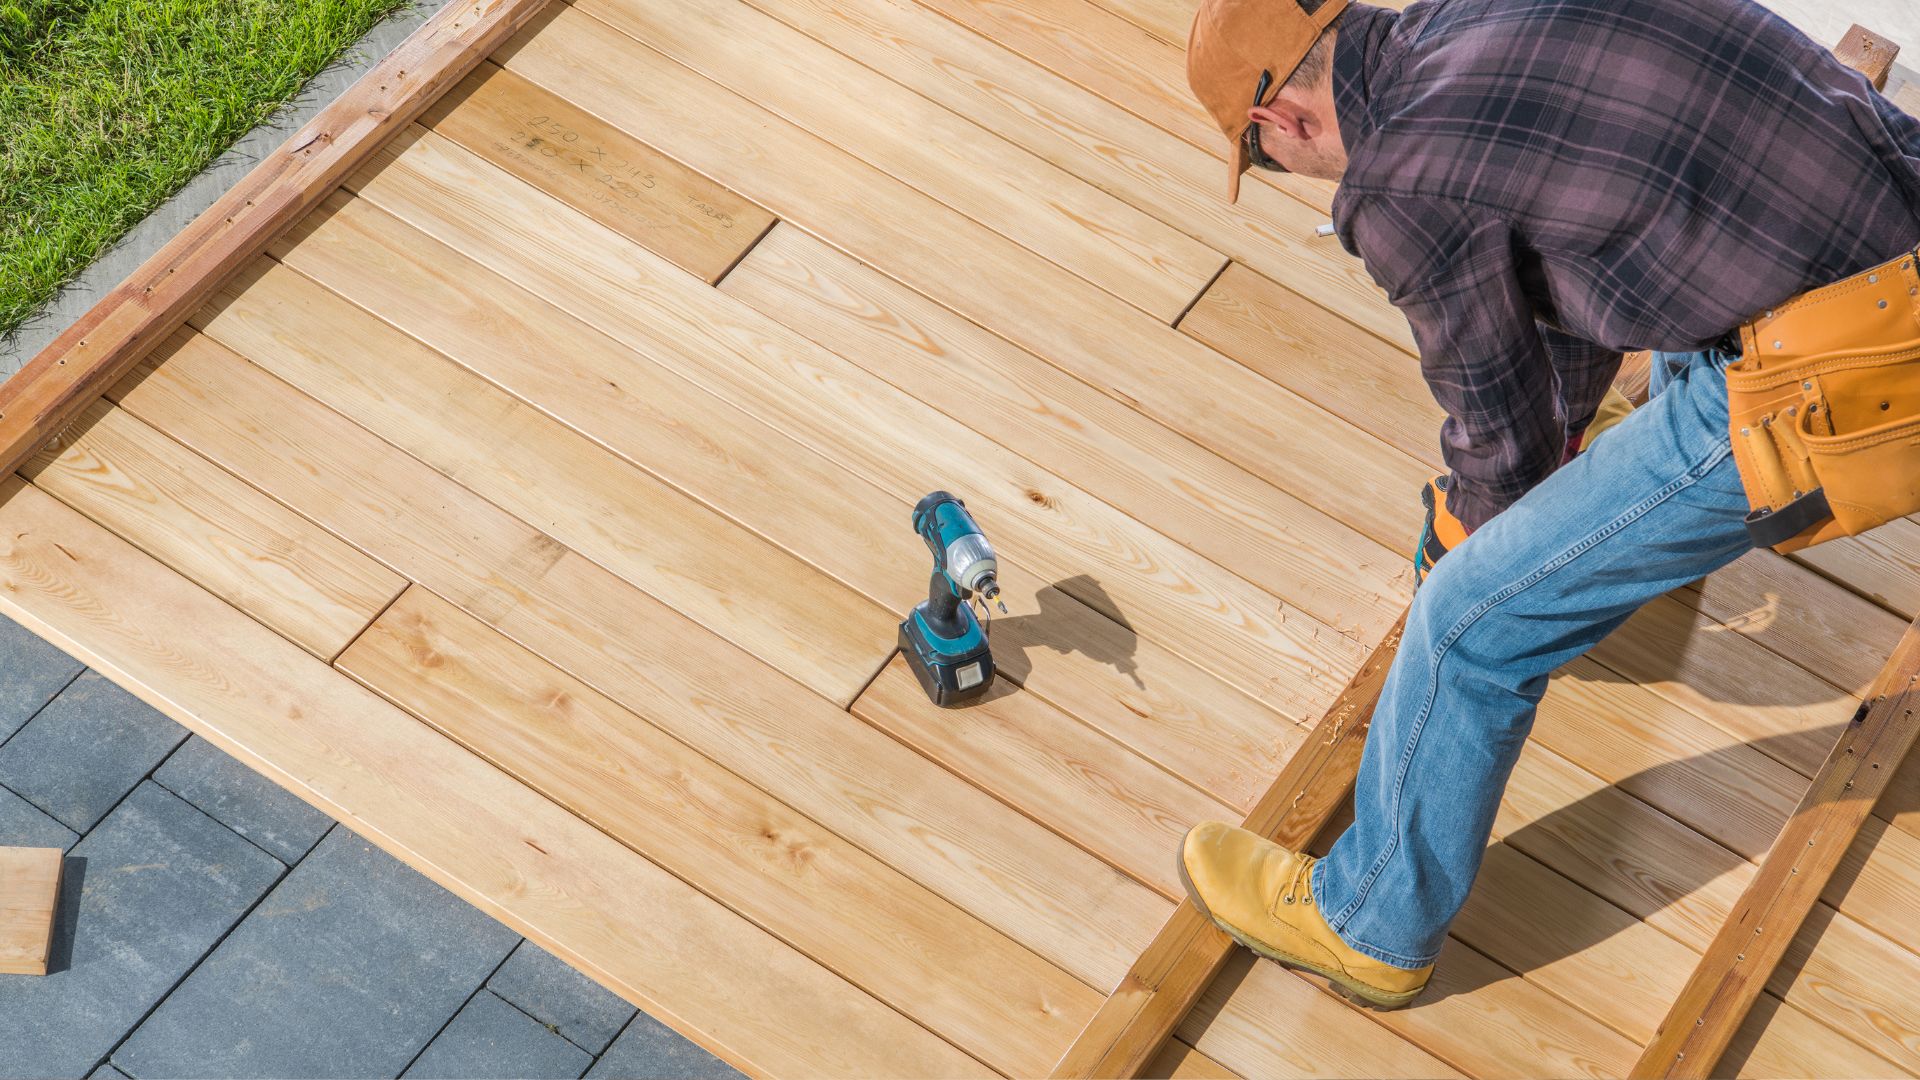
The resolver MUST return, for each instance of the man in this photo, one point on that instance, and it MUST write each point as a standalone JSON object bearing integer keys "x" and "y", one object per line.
{"x": 1539, "y": 185}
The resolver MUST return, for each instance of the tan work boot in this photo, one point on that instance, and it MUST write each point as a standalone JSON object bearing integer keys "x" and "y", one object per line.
{"x": 1260, "y": 893}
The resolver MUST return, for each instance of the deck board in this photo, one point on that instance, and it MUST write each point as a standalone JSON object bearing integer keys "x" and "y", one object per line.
{"x": 722, "y": 835}
{"x": 746, "y": 996}
{"x": 1044, "y": 208}
{"x": 1058, "y": 532}
{"x": 619, "y": 181}
{"x": 230, "y": 539}
{"x": 623, "y": 518}
{"x": 626, "y": 363}
{"x": 873, "y": 217}
{"x": 773, "y": 732}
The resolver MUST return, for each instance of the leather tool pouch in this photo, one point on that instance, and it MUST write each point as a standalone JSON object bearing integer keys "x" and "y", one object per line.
{"x": 1824, "y": 405}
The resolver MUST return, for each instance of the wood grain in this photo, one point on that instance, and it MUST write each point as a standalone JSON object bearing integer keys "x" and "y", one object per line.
{"x": 1086, "y": 787}
{"x": 227, "y": 537}
{"x": 1091, "y": 335}
{"x": 1172, "y": 973}
{"x": 1140, "y": 466}
{"x": 1059, "y": 533}
{"x": 769, "y": 730}
{"x": 550, "y": 876}
{"x": 29, "y": 898}
{"x": 96, "y": 351}
{"x": 1263, "y": 1020}
{"x": 802, "y": 883}
{"x": 605, "y": 173}
{"x": 1112, "y": 148}
{"x": 788, "y": 614}
{"x": 1869, "y": 53}
{"x": 1048, "y": 210}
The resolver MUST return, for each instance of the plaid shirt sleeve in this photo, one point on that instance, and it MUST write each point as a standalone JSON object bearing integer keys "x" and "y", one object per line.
{"x": 1455, "y": 275}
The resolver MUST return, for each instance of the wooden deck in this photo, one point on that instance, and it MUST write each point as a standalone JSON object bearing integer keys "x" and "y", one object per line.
{"x": 539, "y": 505}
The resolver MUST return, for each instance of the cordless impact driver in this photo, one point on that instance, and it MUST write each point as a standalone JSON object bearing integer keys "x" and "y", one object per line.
{"x": 942, "y": 639}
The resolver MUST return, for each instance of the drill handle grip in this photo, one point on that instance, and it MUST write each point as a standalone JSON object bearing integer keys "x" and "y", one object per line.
{"x": 943, "y": 607}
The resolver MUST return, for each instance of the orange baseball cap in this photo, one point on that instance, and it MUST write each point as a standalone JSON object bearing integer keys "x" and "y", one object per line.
{"x": 1234, "y": 43}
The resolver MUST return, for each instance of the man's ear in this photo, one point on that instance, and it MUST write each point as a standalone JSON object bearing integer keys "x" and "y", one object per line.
{"x": 1287, "y": 122}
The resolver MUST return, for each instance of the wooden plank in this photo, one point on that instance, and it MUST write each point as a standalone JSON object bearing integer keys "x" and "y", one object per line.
{"x": 1665, "y": 875}
{"x": 1735, "y": 968}
{"x": 1589, "y": 953}
{"x": 547, "y": 874}
{"x": 1825, "y": 628}
{"x": 1111, "y": 148}
{"x": 1480, "y": 1018}
{"x": 1115, "y": 60}
{"x": 610, "y": 176}
{"x": 1883, "y": 565}
{"x": 1779, "y": 1042}
{"x": 1869, "y": 53}
{"x": 1112, "y": 451}
{"x": 1260, "y": 1020}
{"x": 1116, "y": 247}
{"x": 1172, "y": 973}
{"x": 206, "y": 525}
{"x": 788, "y": 614}
{"x": 1093, "y": 336}
{"x": 858, "y": 534}
{"x": 806, "y": 885}
{"x": 764, "y": 727}
{"x": 1859, "y": 982}
{"x": 1292, "y": 340}
{"x": 1038, "y": 520}
{"x": 92, "y": 354}
{"x": 29, "y": 899}
{"x": 1178, "y": 1061}
{"x": 1053, "y": 768}
{"x": 1131, "y": 686}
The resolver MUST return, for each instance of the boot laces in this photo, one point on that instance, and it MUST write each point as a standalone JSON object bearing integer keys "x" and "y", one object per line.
{"x": 1300, "y": 888}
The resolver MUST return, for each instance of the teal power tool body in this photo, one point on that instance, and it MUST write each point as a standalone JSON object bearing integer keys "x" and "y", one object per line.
{"x": 942, "y": 640}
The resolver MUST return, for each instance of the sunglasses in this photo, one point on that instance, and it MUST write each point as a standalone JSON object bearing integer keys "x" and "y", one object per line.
{"x": 1256, "y": 154}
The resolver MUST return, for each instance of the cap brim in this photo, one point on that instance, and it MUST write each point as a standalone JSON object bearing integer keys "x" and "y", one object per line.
{"x": 1237, "y": 164}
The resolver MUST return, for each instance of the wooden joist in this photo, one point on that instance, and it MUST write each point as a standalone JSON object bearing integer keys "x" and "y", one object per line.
{"x": 1737, "y": 965}
{"x": 1868, "y": 53}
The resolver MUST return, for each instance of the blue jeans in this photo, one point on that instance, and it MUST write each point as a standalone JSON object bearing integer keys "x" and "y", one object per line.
{"x": 1655, "y": 503}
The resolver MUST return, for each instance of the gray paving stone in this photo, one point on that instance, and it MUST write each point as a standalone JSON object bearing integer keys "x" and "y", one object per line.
{"x": 107, "y": 1072}
{"x": 347, "y": 969}
{"x": 146, "y": 894}
{"x": 650, "y": 1050}
{"x": 492, "y": 1040}
{"x": 85, "y": 750}
{"x": 541, "y": 983}
{"x": 23, "y": 825}
{"x": 31, "y": 672}
{"x": 243, "y": 800}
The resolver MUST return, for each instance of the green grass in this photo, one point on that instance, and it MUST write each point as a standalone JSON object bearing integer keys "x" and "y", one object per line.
{"x": 109, "y": 106}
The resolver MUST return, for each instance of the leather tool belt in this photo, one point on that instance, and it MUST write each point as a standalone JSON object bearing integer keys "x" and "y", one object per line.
{"x": 1824, "y": 406}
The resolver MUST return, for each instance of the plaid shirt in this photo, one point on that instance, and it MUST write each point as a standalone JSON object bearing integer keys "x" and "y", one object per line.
{"x": 1540, "y": 185}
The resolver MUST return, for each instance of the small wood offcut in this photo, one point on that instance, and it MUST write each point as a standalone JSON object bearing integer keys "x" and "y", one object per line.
{"x": 518, "y": 468}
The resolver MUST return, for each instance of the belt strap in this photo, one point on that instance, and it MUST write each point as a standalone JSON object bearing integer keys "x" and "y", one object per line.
{"x": 1770, "y": 527}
